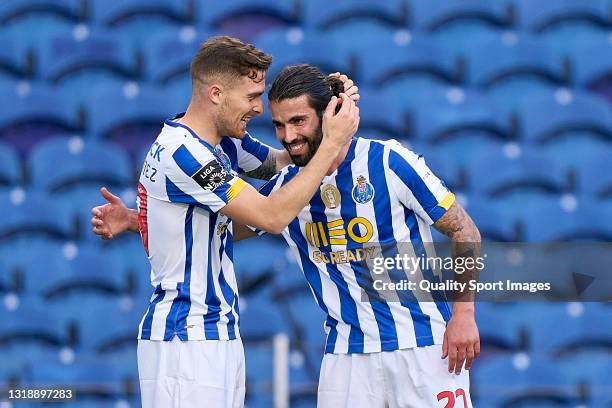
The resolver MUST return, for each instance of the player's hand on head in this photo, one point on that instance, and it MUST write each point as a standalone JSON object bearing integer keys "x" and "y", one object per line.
{"x": 350, "y": 89}
{"x": 110, "y": 219}
{"x": 339, "y": 127}
{"x": 461, "y": 342}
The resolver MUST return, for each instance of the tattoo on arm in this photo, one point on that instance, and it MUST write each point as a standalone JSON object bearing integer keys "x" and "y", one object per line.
{"x": 465, "y": 243}
{"x": 267, "y": 170}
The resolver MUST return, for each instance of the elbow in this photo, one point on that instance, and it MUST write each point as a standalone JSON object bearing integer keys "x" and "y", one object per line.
{"x": 275, "y": 224}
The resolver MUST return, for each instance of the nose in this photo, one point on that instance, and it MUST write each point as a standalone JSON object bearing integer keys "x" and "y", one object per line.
{"x": 258, "y": 108}
{"x": 290, "y": 134}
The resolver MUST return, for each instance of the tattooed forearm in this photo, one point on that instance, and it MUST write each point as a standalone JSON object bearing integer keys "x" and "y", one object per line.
{"x": 267, "y": 170}
{"x": 465, "y": 241}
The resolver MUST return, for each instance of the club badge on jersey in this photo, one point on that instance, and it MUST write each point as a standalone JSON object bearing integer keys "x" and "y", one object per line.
{"x": 224, "y": 158}
{"x": 363, "y": 191}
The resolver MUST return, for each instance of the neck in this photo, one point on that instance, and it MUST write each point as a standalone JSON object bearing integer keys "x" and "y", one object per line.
{"x": 340, "y": 158}
{"x": 202, "y": 123}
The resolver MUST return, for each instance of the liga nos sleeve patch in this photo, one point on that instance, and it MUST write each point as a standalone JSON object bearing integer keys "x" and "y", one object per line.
{"x": 211, "y": 175}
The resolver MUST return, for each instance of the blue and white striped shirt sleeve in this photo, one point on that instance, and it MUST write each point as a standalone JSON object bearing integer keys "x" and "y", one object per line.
{"x": 251, "y": 153}
{"x": 195, "y": 176}
{"x": 416, "y": 186}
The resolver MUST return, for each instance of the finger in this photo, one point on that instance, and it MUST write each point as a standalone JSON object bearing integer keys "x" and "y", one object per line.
{"x": 477, "y": 348}
{"x": 331, "y": 107}
{"x": 348, "y": 84}
{"x": 452, "y": 357}
{"x": 335, "y": 75}
{"x": 110, "y": 197}
{"x": 461, "y": 355}
{"x": 343, "y": 78}
{"x": 96, "y": 211}
{"x": 470, "y": 356}
{"x": 96, "y": 222}
{"x": 347, "y": 104}
{"x": 355, "y": 97}
{"x": 444, "y": 347}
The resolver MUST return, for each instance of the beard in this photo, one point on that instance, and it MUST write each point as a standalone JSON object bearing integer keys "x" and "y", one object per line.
{"x": 313, "y": 144}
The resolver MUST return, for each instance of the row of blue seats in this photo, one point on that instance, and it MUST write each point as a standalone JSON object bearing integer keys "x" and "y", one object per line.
{"x": 509, "y": 167}
{"x": 375, "y": 56}
{"x": 417, "y": 13}
{"x": 133, "y": 113}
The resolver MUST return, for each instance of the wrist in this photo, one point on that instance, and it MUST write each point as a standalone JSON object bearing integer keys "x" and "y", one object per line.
{"x": 463, "y": 308}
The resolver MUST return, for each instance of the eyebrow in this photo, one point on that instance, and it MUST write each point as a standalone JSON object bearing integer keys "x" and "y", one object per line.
{"x": 255, "y": 93}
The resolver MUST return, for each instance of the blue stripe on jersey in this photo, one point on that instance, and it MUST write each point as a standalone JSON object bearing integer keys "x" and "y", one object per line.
{"x": 176, "y": 195}
{"x": 419, "y": 250}
{"x": 348, "y": 211}
{"x": 148, "y": 319}
{"x": 254, "y": 147}
{"x": 176, "y": 321}
{"x": 311, "y": 273}
{"x": 226, "y": 290}
{"x": 415, "y": 183}
{"x": 230, "y": 149}
{"x": 348, "y": 307}
{"x": 211, "y": 332}
{"x": 185, "y": 160}
{"x": 382, "y": 209}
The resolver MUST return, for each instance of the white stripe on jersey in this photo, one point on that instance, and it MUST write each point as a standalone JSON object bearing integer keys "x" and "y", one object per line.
{"x": 184, "y": 183}
{"x": 404, "y": 193}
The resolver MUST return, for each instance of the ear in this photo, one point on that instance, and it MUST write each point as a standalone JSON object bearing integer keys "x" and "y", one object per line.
{"x": 215, "y": 93}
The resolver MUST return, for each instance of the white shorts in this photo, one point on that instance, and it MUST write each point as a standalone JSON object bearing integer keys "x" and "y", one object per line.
{"x": 415, "y": 378}
{"x": 196, "y": 373}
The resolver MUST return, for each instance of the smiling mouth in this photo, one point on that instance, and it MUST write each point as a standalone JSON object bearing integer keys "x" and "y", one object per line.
{"x": 297, "y": 148}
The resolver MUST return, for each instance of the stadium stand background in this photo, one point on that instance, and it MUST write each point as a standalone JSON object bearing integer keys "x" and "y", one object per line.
{"x": 509, "y": 101}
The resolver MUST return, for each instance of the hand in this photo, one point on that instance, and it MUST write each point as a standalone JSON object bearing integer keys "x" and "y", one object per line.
{"x": 350, "y": 89}
{"x": 461, "y": 341}
{"x": 110, "y": 219}
{"x": 338, "y": 128}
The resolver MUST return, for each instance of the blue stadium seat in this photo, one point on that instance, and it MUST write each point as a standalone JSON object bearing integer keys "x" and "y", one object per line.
{"x": 584, "y": 326}
{"x": 512, "y": 61}
{"x": 293, "y": 46}
{"x": 437, "y": 17}
{"x": 417, "y": 59}
{"x": 16, "y": 58}
{"x": 10, "y": 166}
{"x": 32, "y": 214}
{"x": 259, "y": 374}
{"x": 276, "y": 251}
{"x": 129, "y": 12}
{"x": 381, "y": 118}
{"x": 78, "y": 271}
{"x": 130, "y": 253}
{"x": 556, "y": 223}
{"x": 494, "y": 225}
{"x": 541, "y": 17}
{"x": 84, "y": 163}
{"x": 169, "y": 53}
{"x": 31, "y": 327}
{"x": 91, "y": 379}
{"x": 363, "y": 13}
{"x": 545, "y": 117}
{"x": 498, "y": 175}
{"x": 594, "y": 177}
{"x": 592, "y": 64}
{"x": 30, "y": 113}
{"x": 66, "y": 9}
{"x": 74, "y": 59}
{"x": 522, "y": 380}
{"x": 260, "y": 317}
{"x": 132, "y": 115}
{"x": 218, "y": 14}
{"x": 500, "y": 328}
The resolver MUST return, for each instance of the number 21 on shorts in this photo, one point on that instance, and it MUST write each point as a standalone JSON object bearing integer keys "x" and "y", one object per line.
{"x": 451, "y": 396}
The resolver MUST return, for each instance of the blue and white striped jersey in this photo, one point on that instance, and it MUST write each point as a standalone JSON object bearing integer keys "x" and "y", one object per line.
{"x": 382, "y": 195}
{"x": 183, "y": 185}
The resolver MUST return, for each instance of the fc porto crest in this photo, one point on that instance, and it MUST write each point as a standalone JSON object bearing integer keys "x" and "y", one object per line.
{"x": 363, "y": 191}
{"x": 225, "y": 160}
{"x": 330, "y": 196}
